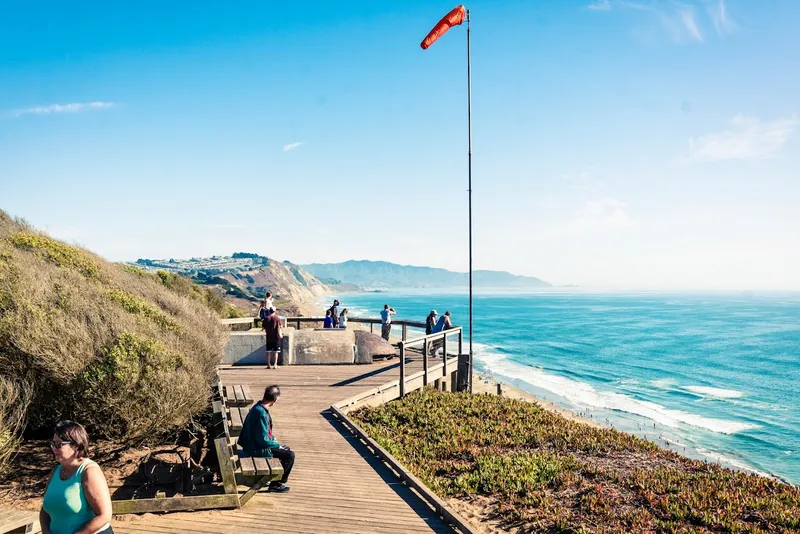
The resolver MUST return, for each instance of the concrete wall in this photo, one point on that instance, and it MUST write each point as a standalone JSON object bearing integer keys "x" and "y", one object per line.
{"x": 322, "y": 346}
{"x": 245, "y": 348}
{"x": 299, "y": 347}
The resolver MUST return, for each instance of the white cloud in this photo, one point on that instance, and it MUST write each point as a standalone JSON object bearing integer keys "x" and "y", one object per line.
{"x": 745, "y": 138}
{"x": 600, "y": 5}
{"x": 62, "y": 108}
{"x": 687, "y": 17}
{"x": 719, "y": 15}
{"x": 599, "y": 216}
{"x": 679, "y": 18}
{"x": 292, "y": 146}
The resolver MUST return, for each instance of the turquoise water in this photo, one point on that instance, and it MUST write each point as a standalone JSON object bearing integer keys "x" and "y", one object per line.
{"x": 715, "y": 376}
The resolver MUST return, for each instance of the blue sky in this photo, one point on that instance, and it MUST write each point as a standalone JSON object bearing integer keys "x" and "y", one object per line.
{"x": 616, "y": 143}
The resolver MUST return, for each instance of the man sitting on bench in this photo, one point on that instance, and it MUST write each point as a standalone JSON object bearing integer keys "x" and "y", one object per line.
{"x": 256, "y": 439}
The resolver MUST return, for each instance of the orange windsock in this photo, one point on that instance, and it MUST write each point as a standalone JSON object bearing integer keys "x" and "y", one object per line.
{"x": 454, "y": 18}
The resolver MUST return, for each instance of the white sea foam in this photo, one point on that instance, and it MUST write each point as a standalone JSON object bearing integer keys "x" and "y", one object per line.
{"x": 715, "y": 392}
{"x": 663, "y": 383}
{"x": 732, "y": 462}
{"x": 583, "y": 394}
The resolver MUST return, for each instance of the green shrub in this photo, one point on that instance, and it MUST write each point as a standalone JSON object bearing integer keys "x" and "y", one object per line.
{"x": 124, "y": 352}
{"x": 123, "y": 378}
{"x": 13, "y": 402}
{"x": 56, "y": 252}
{"x": 137, "y": 306}
{"x": 545, "y": 473}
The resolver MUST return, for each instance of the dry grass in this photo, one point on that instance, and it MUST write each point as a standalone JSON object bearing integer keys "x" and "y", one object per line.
{"x": 129, "y": 356}
{"x": 13, "y": 400}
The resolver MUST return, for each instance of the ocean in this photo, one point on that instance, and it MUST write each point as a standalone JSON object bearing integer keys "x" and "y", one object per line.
{"x": 714, "y": 376}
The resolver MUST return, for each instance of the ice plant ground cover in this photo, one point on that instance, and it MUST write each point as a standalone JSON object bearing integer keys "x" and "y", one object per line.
{"x": 544, "y": 473}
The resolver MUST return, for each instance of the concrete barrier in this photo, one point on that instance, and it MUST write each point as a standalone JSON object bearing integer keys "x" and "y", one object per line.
{"x": 299, "y": 347}
{"x": 322, "y": 346}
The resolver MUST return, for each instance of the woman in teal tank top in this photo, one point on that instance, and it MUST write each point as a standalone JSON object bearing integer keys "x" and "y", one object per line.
{"x": 76, "y": 500}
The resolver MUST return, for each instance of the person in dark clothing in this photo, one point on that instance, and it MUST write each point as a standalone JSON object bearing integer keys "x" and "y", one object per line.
{"x": 335, "y": 313}
{"x": 430, "y": 323}
{"x": 256, "y": 438}
{"x": 328, "y": 323}
{"x": 272, "y": 327}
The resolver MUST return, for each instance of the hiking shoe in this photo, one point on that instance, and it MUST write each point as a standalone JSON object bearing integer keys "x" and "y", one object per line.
{"x": 279, "y": 488}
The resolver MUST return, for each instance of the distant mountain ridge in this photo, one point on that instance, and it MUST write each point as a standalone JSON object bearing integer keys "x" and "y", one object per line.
{"x": 382, "y": 274}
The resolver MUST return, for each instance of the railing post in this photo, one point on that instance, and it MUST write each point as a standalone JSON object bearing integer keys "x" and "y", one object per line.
{"x": 402, "y": 370}
{"x": 405, "y": 332}
{"x": 462, "y": 376}
{"x": 298, "y": 324}
{"x": 425, "y": 362}
{"x": 371, "y": 327}
{"x": 461, "y": 341}
{"x": 444, "y": 361}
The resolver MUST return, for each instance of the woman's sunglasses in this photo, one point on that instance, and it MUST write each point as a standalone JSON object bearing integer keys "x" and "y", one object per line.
{"x": 59, "y": 444}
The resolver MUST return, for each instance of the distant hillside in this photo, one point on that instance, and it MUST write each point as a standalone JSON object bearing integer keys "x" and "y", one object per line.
{"x": 244, "y": 278}
{"x": 381, "y": 274}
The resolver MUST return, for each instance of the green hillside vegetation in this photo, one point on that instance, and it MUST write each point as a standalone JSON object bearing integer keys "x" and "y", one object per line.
{"x": 381, "y": 274}
{"x": 127, "y": 353}
{"x": 544, "y": 473}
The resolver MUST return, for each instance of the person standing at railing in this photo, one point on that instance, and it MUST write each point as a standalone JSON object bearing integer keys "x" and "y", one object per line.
{"x": 335, "y": 313}
{"x": 343, "y": 319}
{"x": 386, "y": 321}
{"x": 268, "y": 304}
{"x": 443, "y": 324}
{"x": 430, "y": 322}
{"x": 328, "y": 323}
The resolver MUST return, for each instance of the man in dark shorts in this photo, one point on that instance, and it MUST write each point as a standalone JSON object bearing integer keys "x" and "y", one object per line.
{"x": 272, "y": 327}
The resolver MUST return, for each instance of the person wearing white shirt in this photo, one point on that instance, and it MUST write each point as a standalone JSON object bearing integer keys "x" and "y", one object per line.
{"x": 386, "y": 321}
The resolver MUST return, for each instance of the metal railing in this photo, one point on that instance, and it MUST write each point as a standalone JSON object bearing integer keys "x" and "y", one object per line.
{"x": 298, "y": 321}
{"x": 428, "y": 342}
{"x": 435, "y": 341}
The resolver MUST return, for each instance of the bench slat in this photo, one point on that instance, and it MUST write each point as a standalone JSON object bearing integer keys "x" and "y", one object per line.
{"x": 243, "y": 411}
{"x": 248, "y": 466}
{"x": 236, "y": 420}
{"x": 248, "y": 397}
{"x": 275, "y": 465}
{"x": 236, "y": 394}
{"x": 17, "y": 519}
{"x": 262, "y": 466}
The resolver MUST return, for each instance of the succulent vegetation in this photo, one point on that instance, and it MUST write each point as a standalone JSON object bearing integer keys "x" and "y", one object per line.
{"x": 127, "y": 353}
{"x": 544, "y": 473}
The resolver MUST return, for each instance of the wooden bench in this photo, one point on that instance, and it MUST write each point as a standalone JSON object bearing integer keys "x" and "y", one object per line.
{"x": 231, "y": 405}
{"x": 19, "y": 521}
{"x": 237, "y": 401}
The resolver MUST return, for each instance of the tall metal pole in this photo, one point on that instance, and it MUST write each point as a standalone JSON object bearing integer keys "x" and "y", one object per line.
{"x": 469, "y": 129}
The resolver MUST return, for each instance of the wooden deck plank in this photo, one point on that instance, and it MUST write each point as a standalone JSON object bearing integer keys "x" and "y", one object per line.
{"x": 337, "y": 484}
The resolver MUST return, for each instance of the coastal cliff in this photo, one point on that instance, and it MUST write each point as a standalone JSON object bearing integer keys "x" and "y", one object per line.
{"x": 244, "y": 278}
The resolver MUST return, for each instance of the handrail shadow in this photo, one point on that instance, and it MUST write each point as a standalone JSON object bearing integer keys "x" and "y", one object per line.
{"x": 419, "y": 506}
{"x": 369, "y": 374}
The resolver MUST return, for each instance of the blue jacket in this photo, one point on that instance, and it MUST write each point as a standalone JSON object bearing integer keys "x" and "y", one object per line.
{"x": 256, "y": 438}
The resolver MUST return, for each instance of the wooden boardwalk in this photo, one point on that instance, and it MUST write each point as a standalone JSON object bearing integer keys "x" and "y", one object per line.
{"x": 337, "y": 485}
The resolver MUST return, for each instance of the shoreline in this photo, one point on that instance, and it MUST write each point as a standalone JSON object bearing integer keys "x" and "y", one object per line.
{"x": 485, "y": 382}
